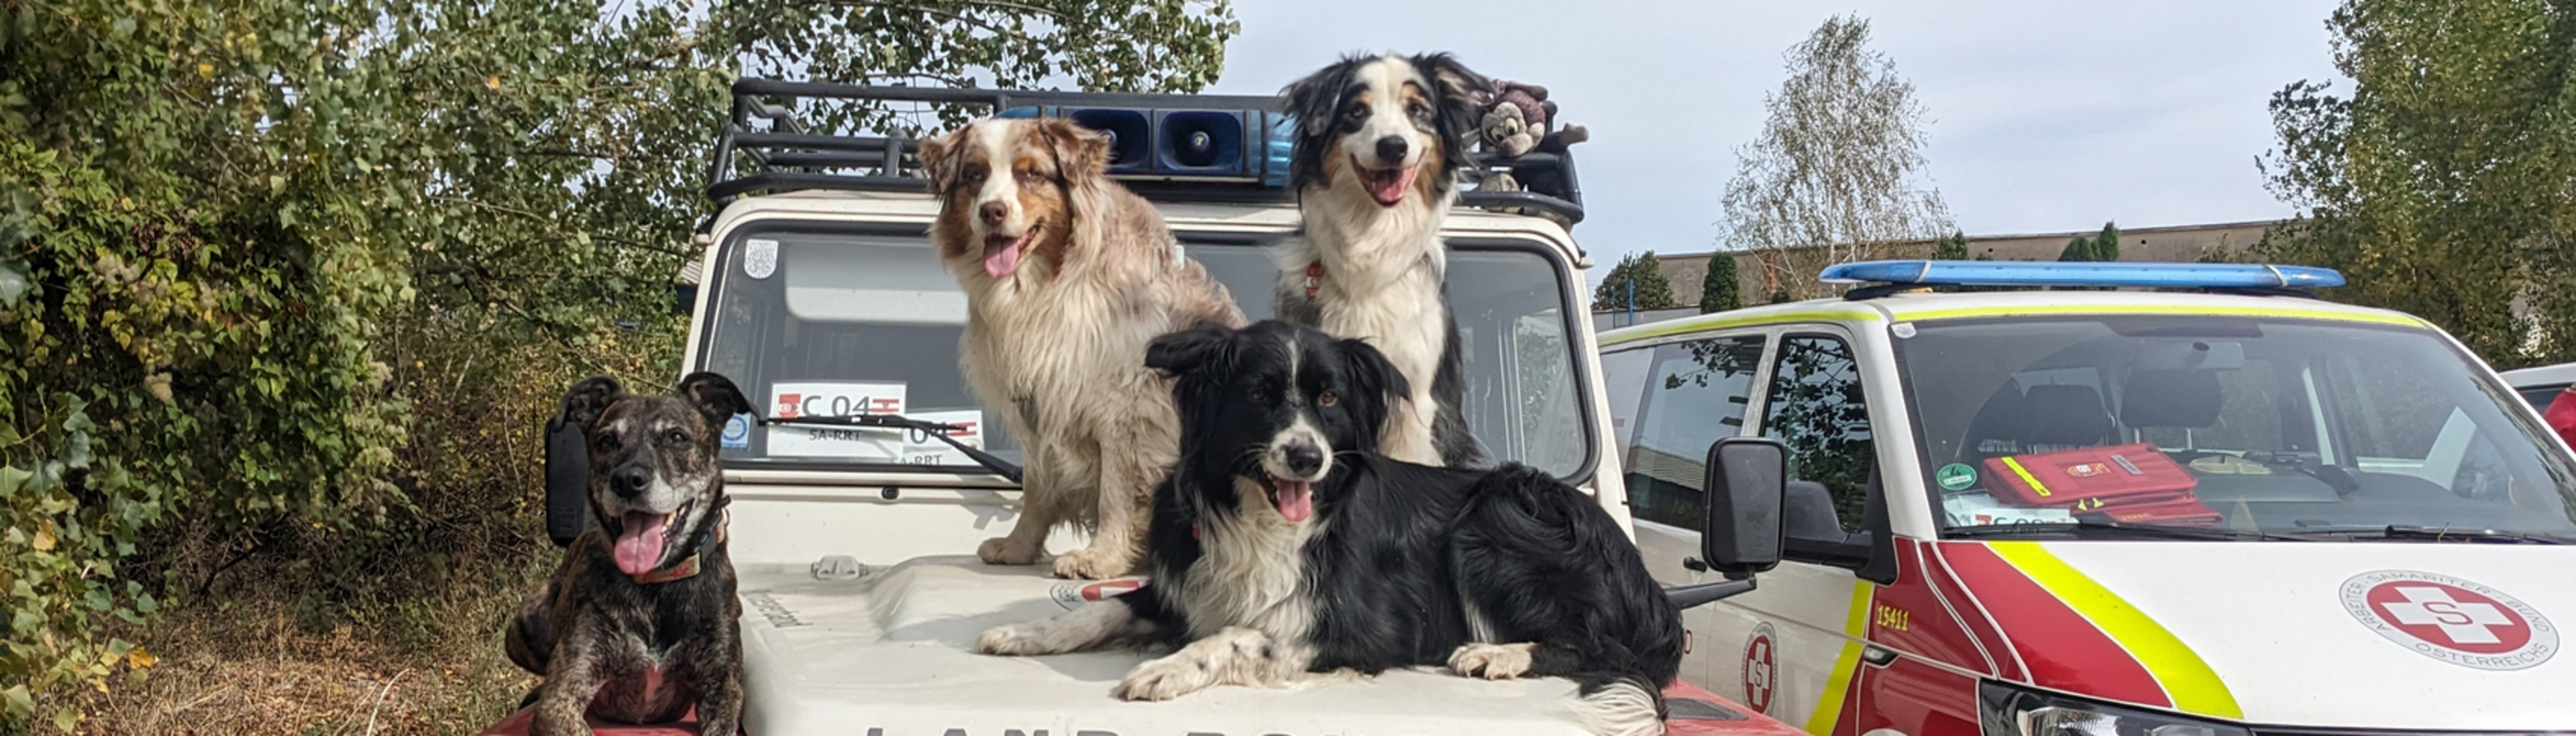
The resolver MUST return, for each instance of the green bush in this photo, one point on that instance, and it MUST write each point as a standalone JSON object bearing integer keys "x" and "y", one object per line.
{"x": 299, "y": 279}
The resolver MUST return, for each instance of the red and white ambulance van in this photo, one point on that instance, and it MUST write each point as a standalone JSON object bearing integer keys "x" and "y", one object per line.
{"x": 2204, "y": 505}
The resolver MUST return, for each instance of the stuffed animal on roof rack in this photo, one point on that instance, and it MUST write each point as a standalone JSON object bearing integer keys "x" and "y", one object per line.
{"x": 1515, "y": 118}
{"x": 1515, "y": 124}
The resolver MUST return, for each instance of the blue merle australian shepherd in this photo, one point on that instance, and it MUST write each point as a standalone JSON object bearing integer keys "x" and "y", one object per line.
{"x": 1284, "y": 545}
{"x": 1379, "y": 146}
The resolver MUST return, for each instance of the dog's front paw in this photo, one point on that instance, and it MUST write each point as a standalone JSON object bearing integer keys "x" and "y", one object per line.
{"x": 1014, "y": 641}
{"x": 1008, "y": 551}
{"x": 1093, "y": 563}
{"x": 1491, "y": 661}
{"x": 1163, "y": 679}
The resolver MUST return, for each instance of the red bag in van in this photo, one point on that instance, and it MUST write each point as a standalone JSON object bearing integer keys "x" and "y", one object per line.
{"x": 2089, "y": 479}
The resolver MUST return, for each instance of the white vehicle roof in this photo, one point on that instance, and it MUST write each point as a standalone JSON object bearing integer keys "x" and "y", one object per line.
{"x": 2538, "y": 376}
{"x": 1926, "y": 305}
{"x": 908, "y": 207}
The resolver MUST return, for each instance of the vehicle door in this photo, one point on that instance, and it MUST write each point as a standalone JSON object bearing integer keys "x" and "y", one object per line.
{"x": 1669, "y": 402}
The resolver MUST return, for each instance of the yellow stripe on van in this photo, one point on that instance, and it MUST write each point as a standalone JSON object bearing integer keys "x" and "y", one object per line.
{"x": 2194, "y": 687}
{"x": 1829, "y": 707}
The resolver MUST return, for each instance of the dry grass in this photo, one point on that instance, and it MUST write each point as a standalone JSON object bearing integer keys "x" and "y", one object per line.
{"x": 261, "y": 664}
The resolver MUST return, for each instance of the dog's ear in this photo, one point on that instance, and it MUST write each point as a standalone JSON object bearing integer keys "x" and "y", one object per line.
{"x": 1079, "y": 152}
{"x": 1458, "y": 89}
{"x": 1185, "y": 352}
{"x": 1371, "y": 373}
{"x": 714, "y": 396}
{"x": 939, "y": 158}
{"x": 588, "y": 399}
{"x": 1314, "y": 99}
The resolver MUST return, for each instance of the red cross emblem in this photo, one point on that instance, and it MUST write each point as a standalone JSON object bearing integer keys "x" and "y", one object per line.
{"x": 2450, "y": 616}
{"x": 1759, "y": 669}
{"x": 2451, "y": 619}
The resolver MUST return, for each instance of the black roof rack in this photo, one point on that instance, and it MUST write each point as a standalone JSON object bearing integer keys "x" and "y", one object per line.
{"x": 785, "y": 156}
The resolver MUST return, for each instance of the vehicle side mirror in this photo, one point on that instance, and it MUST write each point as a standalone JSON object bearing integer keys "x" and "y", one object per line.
{"x": 1747, "y": 486}
{"x": 567, "y": 475}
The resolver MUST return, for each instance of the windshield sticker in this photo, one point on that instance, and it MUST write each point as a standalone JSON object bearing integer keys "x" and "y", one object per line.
{"x": 759, "y": 258}
{"x": 1956, "y": 477}
{"x": 804, "y": 400}
{"x": 919, "y": 448}
{"x": 2450, "y": 619}
{"x": 737, "y": 432}
{"x": 1978, "y": 509}
{"x": 1901, "y": 330}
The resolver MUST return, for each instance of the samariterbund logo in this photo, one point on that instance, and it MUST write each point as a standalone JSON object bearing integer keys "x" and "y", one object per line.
{"x": 2450, "y": 619}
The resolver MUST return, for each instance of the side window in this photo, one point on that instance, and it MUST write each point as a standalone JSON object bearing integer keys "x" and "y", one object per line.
{"x": 1816, "y": 409}
{"x": 1694, "y": 394}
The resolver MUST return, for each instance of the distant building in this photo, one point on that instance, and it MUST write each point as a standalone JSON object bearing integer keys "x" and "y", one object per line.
{"x": 2172, "y": 244}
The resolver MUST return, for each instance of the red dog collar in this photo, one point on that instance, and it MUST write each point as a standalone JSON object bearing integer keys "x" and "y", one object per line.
{"x": 687, "y": 567}
{"x": 1314, "y": 278}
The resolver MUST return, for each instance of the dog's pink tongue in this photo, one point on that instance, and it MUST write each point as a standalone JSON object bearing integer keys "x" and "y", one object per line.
{"x": 1389, "y": 190}
{"x": 640, "y": 544}
{"x": 1296, "y": 499}
{"x": 1000, "y": 257}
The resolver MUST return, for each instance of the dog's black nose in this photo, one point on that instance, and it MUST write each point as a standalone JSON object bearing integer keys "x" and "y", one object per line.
{"x": 1390, "y": 150}
{"x": 1304, "y": 458}
{"x": 630, "y": 481}
{"x": 994, "y": 212}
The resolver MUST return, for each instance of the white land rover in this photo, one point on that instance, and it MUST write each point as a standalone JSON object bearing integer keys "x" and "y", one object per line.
{"x": 857, "y": 502}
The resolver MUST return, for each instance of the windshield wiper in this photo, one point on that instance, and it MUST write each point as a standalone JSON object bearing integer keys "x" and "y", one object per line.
{"x": 2435, "y": 534}
{"x": 2084, "y": 527}
{"x": 990, "y": 462}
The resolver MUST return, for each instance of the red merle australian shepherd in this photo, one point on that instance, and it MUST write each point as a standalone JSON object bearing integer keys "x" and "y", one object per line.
{"x": 1284, "y": 545}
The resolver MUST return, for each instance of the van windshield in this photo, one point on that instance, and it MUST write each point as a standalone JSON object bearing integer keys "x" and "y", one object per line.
{"x": 2298, "y": 428}
{"x": 814, "y": 323}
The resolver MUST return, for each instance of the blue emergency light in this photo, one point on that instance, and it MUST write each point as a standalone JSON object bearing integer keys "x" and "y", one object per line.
{"x": 2044, "y": 273}
{"x": 1244, "y": 145}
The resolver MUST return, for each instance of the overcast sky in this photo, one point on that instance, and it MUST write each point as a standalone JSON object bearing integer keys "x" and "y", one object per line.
{"x": 2044, "y": 116}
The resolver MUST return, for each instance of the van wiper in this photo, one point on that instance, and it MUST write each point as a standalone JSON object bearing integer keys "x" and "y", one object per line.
{"x": 2435, "y": 534}
{"x": 2084, "y": 527}
{"x": 990, "y": 462}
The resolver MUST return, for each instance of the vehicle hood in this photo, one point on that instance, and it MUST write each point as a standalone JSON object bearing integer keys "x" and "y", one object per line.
{"x": 2451, "y": 636}
{"x": 890, "y": 653}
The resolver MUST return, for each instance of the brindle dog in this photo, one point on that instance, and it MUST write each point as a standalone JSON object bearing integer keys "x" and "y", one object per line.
{"x": 639, "y": 622}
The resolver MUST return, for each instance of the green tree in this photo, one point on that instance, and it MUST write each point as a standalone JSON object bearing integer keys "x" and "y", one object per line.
{"x": 1653, "y": 290}
{"x": 273, "y": 269}
{"x": 1717, "y": 291}
{"x": 2101, "y": 248}
{"x": 2440, "y": 185}
{"x": 1951, "y": 248}
{"x": 1837, "y": 173}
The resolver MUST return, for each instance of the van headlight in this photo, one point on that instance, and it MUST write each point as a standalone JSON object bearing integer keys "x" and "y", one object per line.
{"x": 2005, "y": 710}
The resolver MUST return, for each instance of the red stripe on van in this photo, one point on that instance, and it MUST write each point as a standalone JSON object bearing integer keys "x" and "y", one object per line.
{"x": 2063, "y": 650}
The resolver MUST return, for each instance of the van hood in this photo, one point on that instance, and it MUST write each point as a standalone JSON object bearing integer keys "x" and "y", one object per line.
{"x": 2450, "y": 636}
{"x": 890, "y": 653}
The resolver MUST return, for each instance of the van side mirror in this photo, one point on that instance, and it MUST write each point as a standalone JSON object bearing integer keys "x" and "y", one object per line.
{"x": 1746, "y": 486}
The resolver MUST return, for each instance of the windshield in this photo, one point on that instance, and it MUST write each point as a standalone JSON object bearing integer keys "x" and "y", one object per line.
{"x": 838, "y": 323}
{"x": 2278, "y": 427}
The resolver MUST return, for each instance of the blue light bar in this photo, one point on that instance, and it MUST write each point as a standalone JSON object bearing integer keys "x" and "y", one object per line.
{"x": 2049, "y": 273}
{"x": 1266, "y": 162}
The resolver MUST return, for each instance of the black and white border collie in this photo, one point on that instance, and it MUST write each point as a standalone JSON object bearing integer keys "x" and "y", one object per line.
{"x": 1284, "y": 549}
{"x": 1379, "y": 144}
